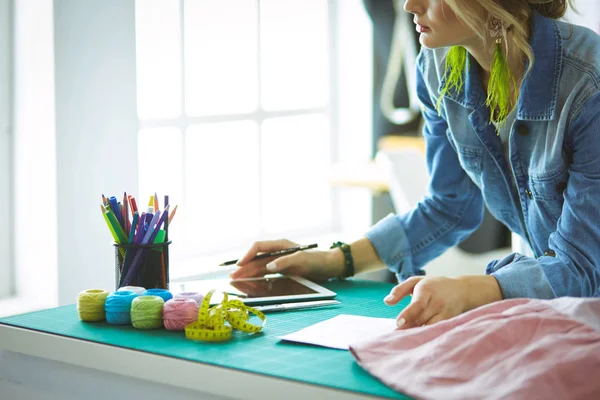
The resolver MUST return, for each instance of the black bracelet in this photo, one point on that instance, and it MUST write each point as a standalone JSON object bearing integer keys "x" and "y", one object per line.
{"x": 348, "y": 261}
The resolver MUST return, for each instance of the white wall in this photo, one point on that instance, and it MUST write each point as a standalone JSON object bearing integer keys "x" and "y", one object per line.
{"x": 6, "y": 263}
{"x": 96, "y": 133}
{"x": 589, "y": 14}
{"x": 354, "y": 73}
{"x": 76, "y": 138}
{"x": 34, "y": 156}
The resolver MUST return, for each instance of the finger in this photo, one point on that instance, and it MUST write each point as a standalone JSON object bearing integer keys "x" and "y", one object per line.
{"x": 435, "y": 318}
{"x": 417, "y": 312}
{"x": 281, "y": 264}
{"x": 402, "y": 290}
{"x": 264, "y": 247}
{"x": 254, "y": 271}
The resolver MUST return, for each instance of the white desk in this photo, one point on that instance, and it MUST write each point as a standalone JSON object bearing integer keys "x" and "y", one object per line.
{"x": 35, "y": 365}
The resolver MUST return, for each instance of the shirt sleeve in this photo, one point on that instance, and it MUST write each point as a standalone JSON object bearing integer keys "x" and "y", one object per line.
{"x": 450, "y": 211}
{"x": 574, "y": 267}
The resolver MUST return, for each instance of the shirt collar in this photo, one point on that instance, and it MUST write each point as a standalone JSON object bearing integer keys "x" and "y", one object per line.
{"x": 537, "y": 99}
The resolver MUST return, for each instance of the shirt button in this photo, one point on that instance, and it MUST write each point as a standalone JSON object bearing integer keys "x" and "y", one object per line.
{"x": 550, "y": 253}
{"x": 529, "y": 194}
{"x": 523, "y": 130}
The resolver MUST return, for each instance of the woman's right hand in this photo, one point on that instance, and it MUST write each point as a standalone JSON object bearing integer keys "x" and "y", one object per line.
{"x": 311, "y": 264}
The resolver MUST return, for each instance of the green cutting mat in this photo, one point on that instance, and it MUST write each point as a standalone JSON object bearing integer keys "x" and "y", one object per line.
{"x": 262, "y": 353}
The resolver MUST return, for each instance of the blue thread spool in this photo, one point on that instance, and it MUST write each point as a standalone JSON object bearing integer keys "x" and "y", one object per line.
{"x": 162, "y": 293}
{"x": 118, "y": 307}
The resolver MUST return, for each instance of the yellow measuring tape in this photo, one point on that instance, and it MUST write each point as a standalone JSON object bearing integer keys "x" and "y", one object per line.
{"x": 211, "y": 326}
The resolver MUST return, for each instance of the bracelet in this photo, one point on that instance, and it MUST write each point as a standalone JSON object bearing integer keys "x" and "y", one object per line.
{"x": 348, "y": 261}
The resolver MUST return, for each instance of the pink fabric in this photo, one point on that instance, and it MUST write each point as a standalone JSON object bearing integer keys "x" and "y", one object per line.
{"x": 513, "y": 349}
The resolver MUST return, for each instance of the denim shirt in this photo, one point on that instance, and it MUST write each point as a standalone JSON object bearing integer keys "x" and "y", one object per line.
{"x": 550, "y": 196}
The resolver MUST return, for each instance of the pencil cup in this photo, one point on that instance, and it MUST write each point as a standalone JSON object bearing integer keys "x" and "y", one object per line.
{"x": 142, "y": 265}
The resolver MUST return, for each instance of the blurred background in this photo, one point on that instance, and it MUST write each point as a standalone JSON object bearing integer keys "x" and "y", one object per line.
{"x": 260, "y": 119}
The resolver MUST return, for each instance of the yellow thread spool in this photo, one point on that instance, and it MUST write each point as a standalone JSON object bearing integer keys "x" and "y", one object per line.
{"x": 90, "y": 305}
{"x": 211, "y": 326}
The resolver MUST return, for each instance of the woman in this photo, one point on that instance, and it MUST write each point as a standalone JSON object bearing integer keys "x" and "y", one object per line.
{"x": 511, "y": 101}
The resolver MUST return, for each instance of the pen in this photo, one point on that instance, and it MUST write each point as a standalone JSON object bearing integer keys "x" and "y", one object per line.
{"x": 295, "y": 306}
{"x": 275, "y": 253}
{"x": 240, "y": 295}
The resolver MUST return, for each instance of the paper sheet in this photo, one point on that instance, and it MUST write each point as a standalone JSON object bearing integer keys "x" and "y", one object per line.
{"x": 341, "y": 331}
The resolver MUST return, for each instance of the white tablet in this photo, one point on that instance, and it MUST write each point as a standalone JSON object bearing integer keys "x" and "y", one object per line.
{"x": 256, "y": 291}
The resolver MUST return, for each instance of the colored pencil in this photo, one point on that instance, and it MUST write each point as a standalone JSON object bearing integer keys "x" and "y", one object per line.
{"x": 173, "y": 214}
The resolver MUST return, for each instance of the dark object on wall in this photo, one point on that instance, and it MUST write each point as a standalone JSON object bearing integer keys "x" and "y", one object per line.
{"x": 383, "y": 15}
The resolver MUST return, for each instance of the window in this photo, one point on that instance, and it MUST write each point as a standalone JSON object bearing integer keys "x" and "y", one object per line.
{"x": 237, "y": 118}
{"x": 6, "y": 267}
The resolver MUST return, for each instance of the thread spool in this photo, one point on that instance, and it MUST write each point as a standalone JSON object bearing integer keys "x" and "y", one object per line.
{"x": 146, "y": 312}
{"x": 118, "y": 307}
{"x": 135, "y": 289}
{"x": 179, "y": 312}
{"x": 198, "y": 297}
{"x": 90, "y": 305}
{"x": 162, "y": 293}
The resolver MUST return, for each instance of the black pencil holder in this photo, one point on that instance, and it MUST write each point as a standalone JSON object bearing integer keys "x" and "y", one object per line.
{"x": 145, "y": 265}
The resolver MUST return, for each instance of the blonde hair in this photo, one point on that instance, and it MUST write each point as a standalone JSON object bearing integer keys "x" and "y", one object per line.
{"x": 515, "y": 13}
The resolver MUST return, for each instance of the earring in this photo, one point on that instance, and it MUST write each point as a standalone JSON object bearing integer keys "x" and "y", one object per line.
{"x": 456, "y": 60}
{"x": 499, "y": 85}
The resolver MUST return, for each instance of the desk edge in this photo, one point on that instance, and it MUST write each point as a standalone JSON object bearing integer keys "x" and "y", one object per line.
{"x": 142, "y": 365}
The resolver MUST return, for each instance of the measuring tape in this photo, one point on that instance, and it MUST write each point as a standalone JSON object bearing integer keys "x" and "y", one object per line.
{"x": 211, "y": 326}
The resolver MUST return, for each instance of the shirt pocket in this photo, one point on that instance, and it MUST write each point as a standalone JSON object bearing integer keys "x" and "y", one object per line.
{"x": 471, "y": 161}
{"x": 547, "y": 191}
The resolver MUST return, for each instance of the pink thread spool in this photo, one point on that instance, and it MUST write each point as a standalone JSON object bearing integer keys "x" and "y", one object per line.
{"x": 198, "y": 297}
{"x": 179, "y": 312}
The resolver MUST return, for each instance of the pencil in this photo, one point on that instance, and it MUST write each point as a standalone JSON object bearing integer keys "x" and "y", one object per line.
{"x": 150, "y": 205}
{"x": 282, "y": 252}
{"x": 173, "y": 213}
{"x": 110, "y": 227}
{"x": 134, "y": 207}
{"x": 127, "y": 224}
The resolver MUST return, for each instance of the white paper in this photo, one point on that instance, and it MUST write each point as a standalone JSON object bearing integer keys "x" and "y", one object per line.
{"x": 343, "y": 330}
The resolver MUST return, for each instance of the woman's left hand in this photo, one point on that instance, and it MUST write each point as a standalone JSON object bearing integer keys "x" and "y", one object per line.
{"x": 438, "y": 298}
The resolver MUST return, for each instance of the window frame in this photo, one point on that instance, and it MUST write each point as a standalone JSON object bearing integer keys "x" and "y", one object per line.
{"x": 184, "y": 121}
{"x": 6, "y": 153}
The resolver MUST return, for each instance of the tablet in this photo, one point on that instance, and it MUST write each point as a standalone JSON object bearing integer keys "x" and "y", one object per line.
{"x": 258, "y": 291}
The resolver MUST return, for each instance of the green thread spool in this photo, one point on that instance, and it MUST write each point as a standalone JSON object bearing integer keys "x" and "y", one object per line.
{"x": 146, "y": 312}
{"x": 90, "y": 305}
